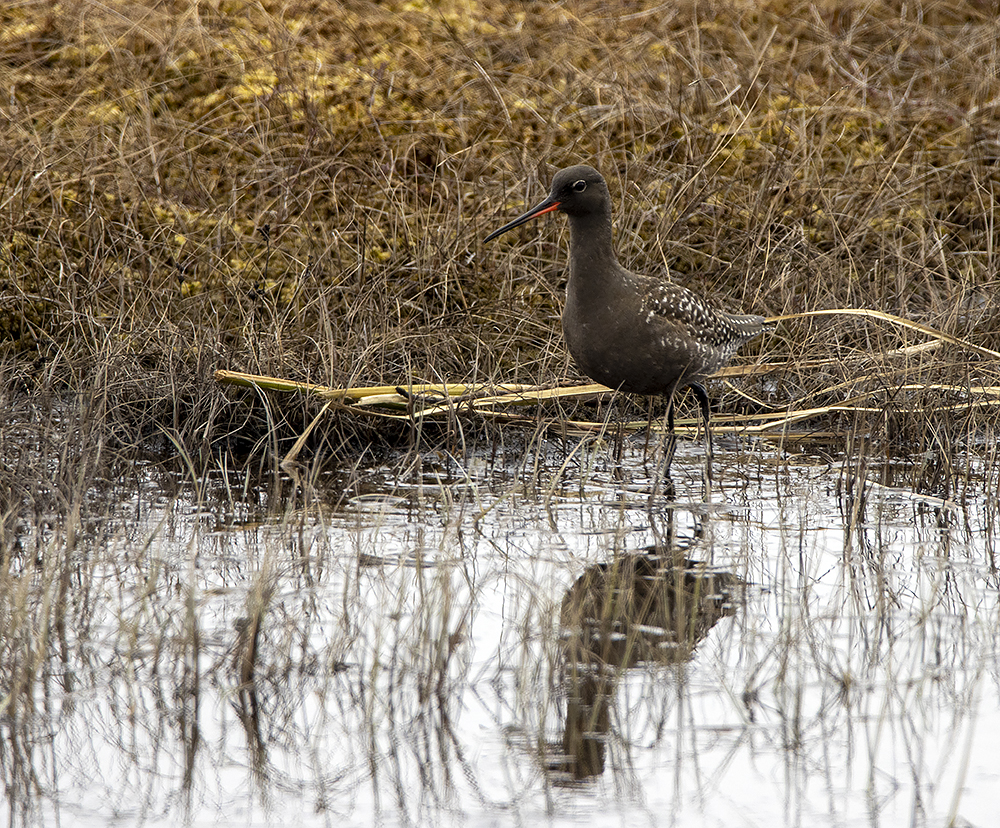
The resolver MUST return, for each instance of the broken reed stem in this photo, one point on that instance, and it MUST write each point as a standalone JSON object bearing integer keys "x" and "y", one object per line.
{"x": 895, "y": 320}
{"x": 489, "y": 401}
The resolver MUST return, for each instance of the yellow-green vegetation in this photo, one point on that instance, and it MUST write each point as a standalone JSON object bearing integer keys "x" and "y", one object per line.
{"x": 299, "y": 188}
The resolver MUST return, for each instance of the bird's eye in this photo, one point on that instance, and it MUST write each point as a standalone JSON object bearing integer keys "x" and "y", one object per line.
{"x": 579, "y": 186}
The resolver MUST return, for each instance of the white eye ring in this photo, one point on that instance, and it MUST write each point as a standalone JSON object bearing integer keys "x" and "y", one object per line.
{"x": 579, "y": 186}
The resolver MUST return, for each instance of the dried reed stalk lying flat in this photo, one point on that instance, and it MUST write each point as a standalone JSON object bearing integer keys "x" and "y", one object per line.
{"x": 493, "y": 401}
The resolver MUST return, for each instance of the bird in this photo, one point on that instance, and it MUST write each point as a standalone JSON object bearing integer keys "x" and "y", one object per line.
{"x": 634, "y": 333}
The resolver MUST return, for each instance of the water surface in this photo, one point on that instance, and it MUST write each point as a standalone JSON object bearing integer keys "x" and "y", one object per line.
{"x": 521, "y": 637}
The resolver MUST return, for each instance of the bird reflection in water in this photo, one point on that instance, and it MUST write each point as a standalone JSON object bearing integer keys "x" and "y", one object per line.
{"x": 647, "y": 608}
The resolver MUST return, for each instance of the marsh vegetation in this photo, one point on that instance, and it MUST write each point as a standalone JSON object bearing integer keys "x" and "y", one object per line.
{"x": 232, "y": 605}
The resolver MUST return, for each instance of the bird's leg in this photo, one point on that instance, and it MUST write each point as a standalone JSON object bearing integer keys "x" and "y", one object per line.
{"x": 706, "y": 416}
{"x": 614, "y": 430}
{"x": 619, "y": 431}
{"x": 662, "y": 476}
{"x": 649, "y": 426}
{"x": 671, "y": 437}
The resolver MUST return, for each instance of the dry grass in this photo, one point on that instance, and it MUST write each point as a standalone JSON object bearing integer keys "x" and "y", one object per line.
{"x": 298, "y": 190}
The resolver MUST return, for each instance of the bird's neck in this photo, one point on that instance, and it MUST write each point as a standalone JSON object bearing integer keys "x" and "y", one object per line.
{"x": 592, "y": 249}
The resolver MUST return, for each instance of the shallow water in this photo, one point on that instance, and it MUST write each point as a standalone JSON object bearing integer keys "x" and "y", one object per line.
{"x": 822, "y": 647}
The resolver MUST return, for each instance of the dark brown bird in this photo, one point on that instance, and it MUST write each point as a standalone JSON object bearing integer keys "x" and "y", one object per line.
{"x": 630, "y": 332}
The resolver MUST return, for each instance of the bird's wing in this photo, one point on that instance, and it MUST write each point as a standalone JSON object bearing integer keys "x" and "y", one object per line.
{"x": 677, "y": 307}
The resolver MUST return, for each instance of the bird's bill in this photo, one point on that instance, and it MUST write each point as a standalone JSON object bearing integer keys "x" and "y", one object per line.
{"x": 546, "y": 206}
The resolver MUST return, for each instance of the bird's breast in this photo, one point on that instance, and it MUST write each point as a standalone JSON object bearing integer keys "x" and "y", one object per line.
{"x": 619, "y": 344}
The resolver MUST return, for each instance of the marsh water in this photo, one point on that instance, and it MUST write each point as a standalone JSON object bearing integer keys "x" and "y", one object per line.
{"x": 536, "y": 634}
